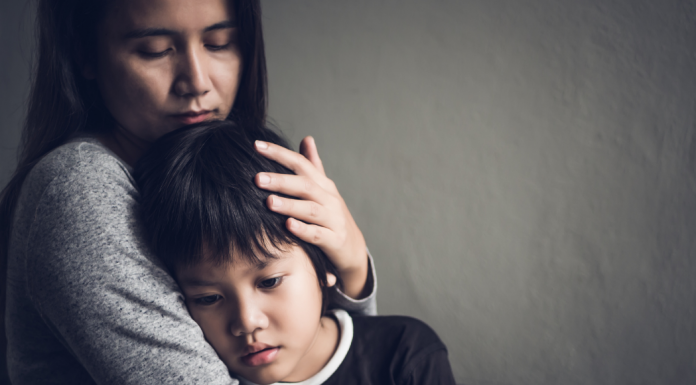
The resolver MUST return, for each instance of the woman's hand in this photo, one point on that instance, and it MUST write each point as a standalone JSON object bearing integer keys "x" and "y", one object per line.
{"x": 324, "y": 219}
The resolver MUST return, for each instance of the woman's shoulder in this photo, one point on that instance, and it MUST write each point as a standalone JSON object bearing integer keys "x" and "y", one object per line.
{"x": 81, "y": 176}
{"x": 82, "y": 163}
{"x": 80, "y": 159}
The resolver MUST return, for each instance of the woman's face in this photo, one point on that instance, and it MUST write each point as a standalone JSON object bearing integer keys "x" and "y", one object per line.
{"x": 162, "y": 64}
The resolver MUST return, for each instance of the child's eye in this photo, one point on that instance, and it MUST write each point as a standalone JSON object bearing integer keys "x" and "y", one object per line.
{"x": 207, "y": 300}
{"x": 270, "y": 283}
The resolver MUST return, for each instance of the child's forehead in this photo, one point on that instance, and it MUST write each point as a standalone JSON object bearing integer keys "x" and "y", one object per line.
{"x": 260, "y": 259}
{"x": 209, "y": 272}
{"x": 238, "y": 260}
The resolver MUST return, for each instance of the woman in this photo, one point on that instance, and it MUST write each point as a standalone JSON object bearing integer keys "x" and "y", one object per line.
{"x": 86, "y": 301}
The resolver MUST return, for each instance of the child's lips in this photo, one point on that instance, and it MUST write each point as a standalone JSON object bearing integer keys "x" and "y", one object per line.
{"x": 261, "y": 357}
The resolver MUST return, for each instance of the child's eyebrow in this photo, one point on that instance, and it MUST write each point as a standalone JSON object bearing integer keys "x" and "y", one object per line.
{"x": 261, "y": 264}
{"x": 258, "y": 265}
{"x": 197, "y": 282}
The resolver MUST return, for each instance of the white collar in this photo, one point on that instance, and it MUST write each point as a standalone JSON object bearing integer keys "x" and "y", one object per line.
{"x": 345, "y": 324}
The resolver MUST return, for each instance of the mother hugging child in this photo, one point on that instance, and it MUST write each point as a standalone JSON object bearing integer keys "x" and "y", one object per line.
{"x": 258, "y": 292}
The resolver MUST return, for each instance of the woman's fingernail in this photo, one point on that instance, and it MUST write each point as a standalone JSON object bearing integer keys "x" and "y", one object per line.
{"x": 293, "y": 224}
{"x": 276, "y": 202}
{"x": 261, "y": 145}
{"x": 264, "y": 179}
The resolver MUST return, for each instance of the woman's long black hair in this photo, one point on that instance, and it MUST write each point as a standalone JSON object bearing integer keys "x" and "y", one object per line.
{"x": 62, "y": 103}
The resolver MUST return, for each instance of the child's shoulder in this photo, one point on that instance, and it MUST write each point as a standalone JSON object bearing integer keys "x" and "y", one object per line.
{"x": 395, "y": 350}
{"x": 405, "y": 335}
{"x": 394, "y": 325}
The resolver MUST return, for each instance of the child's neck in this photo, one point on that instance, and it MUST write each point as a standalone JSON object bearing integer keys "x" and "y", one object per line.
{"x": 321, "y": 351}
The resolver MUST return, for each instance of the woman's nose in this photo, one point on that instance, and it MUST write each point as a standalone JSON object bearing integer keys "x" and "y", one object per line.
{"x": 192, "y": 78}
{"x": 249, "y": 318}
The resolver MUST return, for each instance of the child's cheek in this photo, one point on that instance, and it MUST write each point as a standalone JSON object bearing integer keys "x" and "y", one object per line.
{"x": 212, "y": 325}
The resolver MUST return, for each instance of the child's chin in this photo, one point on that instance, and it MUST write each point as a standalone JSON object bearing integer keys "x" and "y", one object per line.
{"x": 262, "y": 377}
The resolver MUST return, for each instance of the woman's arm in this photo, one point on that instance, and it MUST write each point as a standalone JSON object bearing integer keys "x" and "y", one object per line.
{"x": 324, "y": 218}
{"x": 108, "y": 307}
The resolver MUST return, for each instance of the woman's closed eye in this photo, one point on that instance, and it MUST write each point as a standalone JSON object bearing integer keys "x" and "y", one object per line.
{"x": 213, "y": 47}
{"x": 154, "y": 55}
{"x": 221, "y": 39}
{"x": 208, "y": 300}
{"x": 270, "y": 283}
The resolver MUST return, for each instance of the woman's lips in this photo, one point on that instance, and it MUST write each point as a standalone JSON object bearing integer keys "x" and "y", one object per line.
{"x": 193, "y": 117}
{"x": 265, "y": 356}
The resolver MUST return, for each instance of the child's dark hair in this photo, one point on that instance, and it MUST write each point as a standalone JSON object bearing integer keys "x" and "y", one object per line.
{"x": 199, "y": 200}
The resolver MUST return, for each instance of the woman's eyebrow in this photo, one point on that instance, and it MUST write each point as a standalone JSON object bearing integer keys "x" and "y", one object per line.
{"x": 221, "y": 25}
{"x": 147, "y": 32}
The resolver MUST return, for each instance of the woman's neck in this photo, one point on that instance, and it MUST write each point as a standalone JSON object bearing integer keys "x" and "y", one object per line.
{"x": 125, "y": 145}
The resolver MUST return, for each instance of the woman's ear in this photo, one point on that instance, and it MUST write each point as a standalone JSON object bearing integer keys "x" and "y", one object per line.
{"x": 330, "y": 280}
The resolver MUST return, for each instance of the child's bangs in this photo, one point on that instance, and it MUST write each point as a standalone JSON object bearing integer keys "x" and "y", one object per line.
{"x": 251, "y": 248}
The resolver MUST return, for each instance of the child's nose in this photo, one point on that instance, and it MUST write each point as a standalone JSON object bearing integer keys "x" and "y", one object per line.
{"x": 249, "y": 319}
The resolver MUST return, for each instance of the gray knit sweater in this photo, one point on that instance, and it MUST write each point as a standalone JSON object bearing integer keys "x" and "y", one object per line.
{"x": 87, "y": 302}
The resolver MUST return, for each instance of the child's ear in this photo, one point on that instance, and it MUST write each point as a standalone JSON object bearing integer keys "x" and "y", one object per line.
{"x": 330, "y": 280}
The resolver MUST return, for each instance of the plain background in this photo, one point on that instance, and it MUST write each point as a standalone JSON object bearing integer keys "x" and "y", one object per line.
{"x": 523, "y": 170}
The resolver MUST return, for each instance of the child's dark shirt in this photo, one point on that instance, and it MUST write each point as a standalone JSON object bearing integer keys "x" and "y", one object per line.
{"x": 393, "y": 350}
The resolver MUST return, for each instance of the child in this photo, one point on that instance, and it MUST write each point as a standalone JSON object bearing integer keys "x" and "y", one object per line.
{"x": 258, "y": 292}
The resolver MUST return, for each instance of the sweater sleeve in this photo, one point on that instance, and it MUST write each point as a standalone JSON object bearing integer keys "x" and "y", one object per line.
{"x": 365, "y": 306}
{"x": 98, "y": 288}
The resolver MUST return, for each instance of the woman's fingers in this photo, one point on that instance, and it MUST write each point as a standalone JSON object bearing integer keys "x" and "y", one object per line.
{"x": 307, "y": 211}
{"x": 308, "y": 148}
{"x": 298, "y": 163}
{"x": 313, "y": 234}
{"x": 288, "y": 158}
{"x": 319, "y": 215}
{"x": 295, "y": 185}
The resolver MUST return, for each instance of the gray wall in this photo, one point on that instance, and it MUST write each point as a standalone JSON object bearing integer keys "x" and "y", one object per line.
{"x": 522, "y": 170}
{"x": 16, "y": 45}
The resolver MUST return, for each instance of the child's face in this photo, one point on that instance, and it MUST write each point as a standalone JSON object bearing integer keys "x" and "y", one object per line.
{"x": 263, "y": 320}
